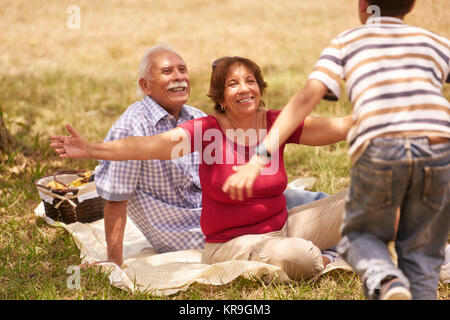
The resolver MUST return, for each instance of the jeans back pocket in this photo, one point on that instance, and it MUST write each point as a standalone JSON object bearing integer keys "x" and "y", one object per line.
{"x": 372, "y": 187}
{"x": 436, "y": 186}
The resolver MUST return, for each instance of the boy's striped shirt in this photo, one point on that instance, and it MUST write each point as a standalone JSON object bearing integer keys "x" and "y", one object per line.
{"x": 394, "y": 75}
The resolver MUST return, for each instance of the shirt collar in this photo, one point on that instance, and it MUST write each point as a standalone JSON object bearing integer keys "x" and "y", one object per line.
{"x": 158, "y": 113}
{"x": 185, "y": 114}
{"x": 384, "y": 20}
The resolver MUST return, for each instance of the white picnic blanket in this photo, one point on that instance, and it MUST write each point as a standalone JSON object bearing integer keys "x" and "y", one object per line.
{"x": 161, "y": 274}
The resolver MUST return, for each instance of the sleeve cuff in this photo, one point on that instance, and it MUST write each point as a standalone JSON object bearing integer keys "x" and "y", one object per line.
{"x": 113, "y": 196}
{"x": 334, "y": 89}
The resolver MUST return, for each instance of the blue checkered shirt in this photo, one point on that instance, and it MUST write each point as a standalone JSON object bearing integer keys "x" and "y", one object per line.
{"x": 164, "y": 197}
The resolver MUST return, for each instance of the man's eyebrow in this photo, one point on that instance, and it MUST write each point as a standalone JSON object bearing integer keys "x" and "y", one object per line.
{"x": 169, "y": 66}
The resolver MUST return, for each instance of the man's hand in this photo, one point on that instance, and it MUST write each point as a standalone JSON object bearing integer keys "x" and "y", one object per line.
{"x": 243, "y": 180}
{"x": 73, "y": 146}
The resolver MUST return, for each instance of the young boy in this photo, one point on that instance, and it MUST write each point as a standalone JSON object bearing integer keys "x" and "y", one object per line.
{"x": 399, "y": 147}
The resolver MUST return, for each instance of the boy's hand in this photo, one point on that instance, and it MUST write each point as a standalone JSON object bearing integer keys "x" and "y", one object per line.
{"x": 243, "y": 180}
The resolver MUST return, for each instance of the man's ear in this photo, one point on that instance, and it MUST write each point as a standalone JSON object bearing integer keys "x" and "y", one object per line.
{"x": 144, "y": 86}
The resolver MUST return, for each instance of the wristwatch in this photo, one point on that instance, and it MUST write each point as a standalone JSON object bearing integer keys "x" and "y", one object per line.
{"x": 261, "y": 150}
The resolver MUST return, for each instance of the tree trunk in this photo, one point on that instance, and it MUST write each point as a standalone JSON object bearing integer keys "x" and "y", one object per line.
{"x": 8, "y": 142}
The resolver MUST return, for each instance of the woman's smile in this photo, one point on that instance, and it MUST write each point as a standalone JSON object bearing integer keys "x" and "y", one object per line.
{"x": 241, "y": 90}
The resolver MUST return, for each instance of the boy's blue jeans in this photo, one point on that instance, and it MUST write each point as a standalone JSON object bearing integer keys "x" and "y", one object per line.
{"x": 414, "y": 176}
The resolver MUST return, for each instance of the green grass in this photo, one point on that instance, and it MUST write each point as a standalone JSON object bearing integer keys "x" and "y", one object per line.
{"x": 51, "y": 76}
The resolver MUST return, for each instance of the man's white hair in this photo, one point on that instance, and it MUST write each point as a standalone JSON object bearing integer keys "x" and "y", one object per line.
{"x": 144, "y": 65}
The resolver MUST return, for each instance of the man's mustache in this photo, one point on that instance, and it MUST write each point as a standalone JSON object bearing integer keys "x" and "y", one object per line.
{"x": 177, "y": 84}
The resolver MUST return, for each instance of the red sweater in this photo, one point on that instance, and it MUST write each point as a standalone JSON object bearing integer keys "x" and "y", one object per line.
{"x": 223, "y": 218}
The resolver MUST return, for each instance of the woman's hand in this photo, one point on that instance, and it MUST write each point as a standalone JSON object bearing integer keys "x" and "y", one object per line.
{"x": 73, "y": 146}
{"x": 243, "y": 179}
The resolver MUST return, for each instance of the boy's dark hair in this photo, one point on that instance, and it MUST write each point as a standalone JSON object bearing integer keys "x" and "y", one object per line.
{"x": 392, "y": 8}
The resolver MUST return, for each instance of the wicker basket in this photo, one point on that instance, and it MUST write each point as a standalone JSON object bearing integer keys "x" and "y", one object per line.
{"x": 70, "y": 205}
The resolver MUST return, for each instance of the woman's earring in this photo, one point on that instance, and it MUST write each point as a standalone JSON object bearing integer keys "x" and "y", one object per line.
{"x": 222, "y": 108}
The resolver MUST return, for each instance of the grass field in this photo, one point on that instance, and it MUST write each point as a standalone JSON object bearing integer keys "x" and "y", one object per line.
{"x": 51, "y": 74}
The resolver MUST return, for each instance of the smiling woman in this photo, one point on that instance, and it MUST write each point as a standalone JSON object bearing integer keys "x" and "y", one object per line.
{"x": 222, "y": 73}
{"x": 240, "y": 100}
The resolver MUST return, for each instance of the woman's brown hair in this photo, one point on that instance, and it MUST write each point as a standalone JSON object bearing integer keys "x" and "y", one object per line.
{"x": 220, "y": 69}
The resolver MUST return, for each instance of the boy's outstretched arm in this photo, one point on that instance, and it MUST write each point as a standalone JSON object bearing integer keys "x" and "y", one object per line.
{"x": 293, "y": 114}
{"x": 321, "y": 131}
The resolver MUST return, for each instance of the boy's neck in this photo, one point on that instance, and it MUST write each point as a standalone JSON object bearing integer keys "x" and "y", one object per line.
{"x": 372, "y": 18}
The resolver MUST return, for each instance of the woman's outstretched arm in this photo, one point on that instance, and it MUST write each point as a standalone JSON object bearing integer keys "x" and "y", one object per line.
{"x": 165, "y": 146}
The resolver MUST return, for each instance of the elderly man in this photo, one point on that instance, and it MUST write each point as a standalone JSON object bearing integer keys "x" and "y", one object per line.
{"x": 163, "y": 198}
